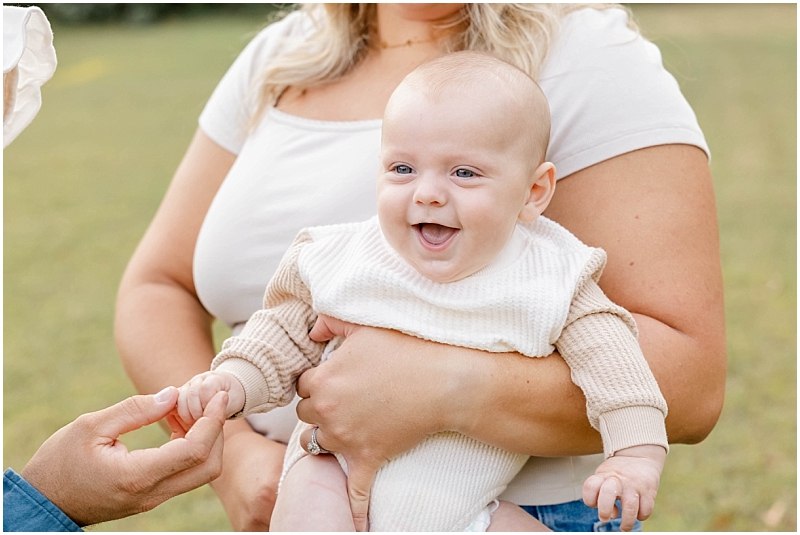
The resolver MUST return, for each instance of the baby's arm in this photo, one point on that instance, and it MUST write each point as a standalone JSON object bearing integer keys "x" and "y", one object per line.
{"x": 274, "y": 348}
{"x": 623, "y": 402}
{"x": 198, "y": 391}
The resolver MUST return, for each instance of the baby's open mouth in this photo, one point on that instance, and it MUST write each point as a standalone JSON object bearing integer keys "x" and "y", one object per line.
{"x": 436, "y": 234}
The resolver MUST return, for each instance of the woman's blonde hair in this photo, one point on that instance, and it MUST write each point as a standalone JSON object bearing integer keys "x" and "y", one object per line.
{"x": 344, "y": 33}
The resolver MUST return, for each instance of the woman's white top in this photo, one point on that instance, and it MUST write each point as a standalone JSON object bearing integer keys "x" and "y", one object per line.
{"x": 608, "y": 92}
{"x": 29, "y": 60}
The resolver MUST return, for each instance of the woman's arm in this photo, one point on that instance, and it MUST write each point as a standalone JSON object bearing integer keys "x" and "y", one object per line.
{"x": 163, "y": 332}
{"x": 653, "y": 211}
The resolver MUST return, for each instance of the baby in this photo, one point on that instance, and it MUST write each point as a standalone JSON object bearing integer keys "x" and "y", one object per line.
{"x": 458, "y": 254}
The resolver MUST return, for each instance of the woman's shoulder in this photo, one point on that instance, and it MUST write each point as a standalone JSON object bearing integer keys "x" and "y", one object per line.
{"x": 609, "y": 92}
{"x": 227, "y": 113}
{"x": 588, "y": 30}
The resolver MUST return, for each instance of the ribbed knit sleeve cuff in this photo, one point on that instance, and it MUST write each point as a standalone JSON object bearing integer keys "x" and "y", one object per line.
{"x": 257, "y": 391}
{"x": 632, "y": 426}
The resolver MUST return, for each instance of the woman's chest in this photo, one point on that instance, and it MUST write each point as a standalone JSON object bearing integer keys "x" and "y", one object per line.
{"x": 292, "y": 173}
{"x": 360, "y": 95}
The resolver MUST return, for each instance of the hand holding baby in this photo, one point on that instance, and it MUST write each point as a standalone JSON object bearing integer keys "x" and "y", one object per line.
{"x": 198, "y": 392}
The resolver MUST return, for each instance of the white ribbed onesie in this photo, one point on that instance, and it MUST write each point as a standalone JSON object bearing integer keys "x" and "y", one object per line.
{"x": 540, "y": 294}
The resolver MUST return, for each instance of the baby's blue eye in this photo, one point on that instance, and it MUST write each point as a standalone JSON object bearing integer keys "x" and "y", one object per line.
{"x": 402, "y": 170}
{"x": 464, "y": 173}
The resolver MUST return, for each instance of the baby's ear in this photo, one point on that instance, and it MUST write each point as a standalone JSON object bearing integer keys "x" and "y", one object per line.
{"x": 540, "y": 192}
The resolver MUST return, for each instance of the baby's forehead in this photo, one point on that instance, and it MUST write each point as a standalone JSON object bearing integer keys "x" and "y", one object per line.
{"x": 489, "y": 88}
{"x": 477, "y": 75}
{"x": 468, "y": 75}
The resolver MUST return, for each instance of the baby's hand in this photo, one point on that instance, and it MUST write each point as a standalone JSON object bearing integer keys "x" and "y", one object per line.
{"x": 632, "y": 476}
{"x": 197, "y": 393}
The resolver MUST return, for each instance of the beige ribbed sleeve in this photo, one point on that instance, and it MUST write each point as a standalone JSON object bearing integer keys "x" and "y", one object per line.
{"x": 273, "y": 349}
{"x": 599, "y": 344}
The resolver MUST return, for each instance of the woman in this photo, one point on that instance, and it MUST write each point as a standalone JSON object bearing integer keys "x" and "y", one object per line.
{"x": 290, "y": 139}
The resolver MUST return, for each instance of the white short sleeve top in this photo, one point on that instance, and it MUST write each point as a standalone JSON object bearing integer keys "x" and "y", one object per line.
{"x": 608, "y": 92}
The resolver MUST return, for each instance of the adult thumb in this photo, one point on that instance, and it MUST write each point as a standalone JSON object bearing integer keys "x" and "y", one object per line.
{"x": 359, "y": 486}
{"x": 136, "y": 412}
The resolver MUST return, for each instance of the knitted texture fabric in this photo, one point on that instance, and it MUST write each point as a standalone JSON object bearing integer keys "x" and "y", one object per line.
{"x": 540, "y": 294}
{"x": 273, "y": 349}
{"x": 442, "y": 484}
{"x": 519, "y": 302}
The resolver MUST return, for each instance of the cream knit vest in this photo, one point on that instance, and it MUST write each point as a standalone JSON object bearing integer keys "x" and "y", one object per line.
{"x": 517, "y": 303}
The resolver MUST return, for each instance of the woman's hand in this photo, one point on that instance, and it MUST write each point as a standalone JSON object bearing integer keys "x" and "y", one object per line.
{"x": 417, "y": 387}
{"x": 383, "y": 392}
{"x": 371, "y": 400}
{"x": 248, "y": 485}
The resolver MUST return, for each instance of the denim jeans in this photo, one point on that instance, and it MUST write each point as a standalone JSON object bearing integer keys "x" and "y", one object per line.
{"x": 574, "y": 516}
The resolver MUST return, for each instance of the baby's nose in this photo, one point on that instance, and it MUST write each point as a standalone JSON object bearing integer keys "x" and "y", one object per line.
{"x": 430, "y": 191}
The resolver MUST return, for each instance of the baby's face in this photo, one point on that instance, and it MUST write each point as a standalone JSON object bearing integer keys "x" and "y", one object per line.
{"x": 453, "y": 179}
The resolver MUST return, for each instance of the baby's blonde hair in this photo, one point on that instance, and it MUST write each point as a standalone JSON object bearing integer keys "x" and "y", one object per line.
{"x": 469, "y": 70}
{"x": 344, "y": 33}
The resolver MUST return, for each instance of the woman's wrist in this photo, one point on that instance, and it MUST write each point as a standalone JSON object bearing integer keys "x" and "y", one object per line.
{"x": 461, "y": 387}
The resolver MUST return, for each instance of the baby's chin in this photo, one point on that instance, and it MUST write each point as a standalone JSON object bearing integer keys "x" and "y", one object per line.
{"x": 441, "y": 272}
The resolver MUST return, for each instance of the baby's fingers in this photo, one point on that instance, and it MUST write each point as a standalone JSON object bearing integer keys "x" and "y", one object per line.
{"x": 610, "y": 490}
{"x": 189, "y": 408}
{"x": 647, "y": 503}
{"x": 591, "y": 488}
{"x": 630, "y": 508}
{"x": 183, "y": 405}
{"x": 194, "y": 402}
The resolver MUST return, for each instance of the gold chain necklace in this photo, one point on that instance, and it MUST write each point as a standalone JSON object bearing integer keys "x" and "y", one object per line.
{"x": 409, "y": 42}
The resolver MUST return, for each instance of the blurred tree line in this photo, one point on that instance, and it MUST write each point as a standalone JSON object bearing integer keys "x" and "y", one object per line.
{"x": 147, "y": 13}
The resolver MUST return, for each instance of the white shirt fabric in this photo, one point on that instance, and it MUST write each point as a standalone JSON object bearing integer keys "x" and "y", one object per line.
{"x": 28, "y": 46}
{"x": 608, "y": 92}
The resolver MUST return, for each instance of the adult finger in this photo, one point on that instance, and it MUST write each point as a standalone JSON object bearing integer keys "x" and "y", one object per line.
{"x": 304, "y": 383}
{"x": 135, "y": 412}
{"x": 305, "y": 437}
{"x": 609, "y": 492}
{"x": 359, "y": 485}
{"x": 189, "y": 479}
{"x": 192, "y": 450}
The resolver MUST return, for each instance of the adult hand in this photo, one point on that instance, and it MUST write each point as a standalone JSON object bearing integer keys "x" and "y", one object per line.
{"x": 92, "y": 477}
{"x": 248, "y": 485}
{"x": 372, "y": 400}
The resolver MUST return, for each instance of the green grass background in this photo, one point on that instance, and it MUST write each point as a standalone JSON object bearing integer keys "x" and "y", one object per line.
{"x": 83, "y": 181}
